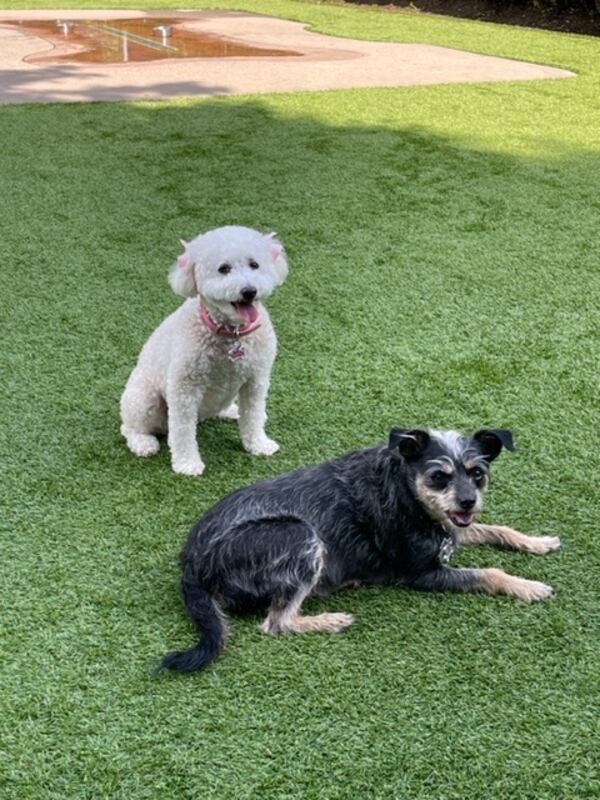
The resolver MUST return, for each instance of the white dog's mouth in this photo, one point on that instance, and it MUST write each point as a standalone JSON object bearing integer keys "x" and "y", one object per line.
{"x": 247, "y": 311}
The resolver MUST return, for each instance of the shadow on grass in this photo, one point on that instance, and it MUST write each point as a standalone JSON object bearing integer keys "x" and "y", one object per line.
{"x": 414, "y": 258}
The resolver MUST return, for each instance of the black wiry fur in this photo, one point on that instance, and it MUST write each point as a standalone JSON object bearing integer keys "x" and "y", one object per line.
{"x": 355, "y": 519}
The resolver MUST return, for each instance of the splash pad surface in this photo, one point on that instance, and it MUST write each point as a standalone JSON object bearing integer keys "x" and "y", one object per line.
{"x": 46, "y": 56}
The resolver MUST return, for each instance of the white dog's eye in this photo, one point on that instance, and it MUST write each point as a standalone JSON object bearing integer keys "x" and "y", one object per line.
{"x": 253, "y": 264}
{"x": 224, "y": 269}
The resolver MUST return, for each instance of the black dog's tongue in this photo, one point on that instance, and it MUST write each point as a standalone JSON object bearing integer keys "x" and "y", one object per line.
{"x": 462, "y": 518}
{"x": 247, "y": 311}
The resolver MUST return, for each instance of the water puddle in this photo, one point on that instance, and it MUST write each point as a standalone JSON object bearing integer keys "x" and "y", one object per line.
{"x": 122, "y": 40}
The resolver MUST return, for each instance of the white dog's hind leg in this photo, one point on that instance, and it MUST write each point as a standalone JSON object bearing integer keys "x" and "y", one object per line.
{"x": 143, "y": 414}
{"x": 141, "y": 444}
{"x": 183, "y": 421}
{"x": 253, "y": 415}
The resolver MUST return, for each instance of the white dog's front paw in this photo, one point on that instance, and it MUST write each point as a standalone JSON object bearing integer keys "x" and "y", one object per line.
{"x": 261, "y": 447}
{"x": 188, "y": 466}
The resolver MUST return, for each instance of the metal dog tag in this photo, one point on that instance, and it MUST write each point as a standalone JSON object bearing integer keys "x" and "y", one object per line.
{"x": 236, "y": 351}
{"x": 446, "y": 550}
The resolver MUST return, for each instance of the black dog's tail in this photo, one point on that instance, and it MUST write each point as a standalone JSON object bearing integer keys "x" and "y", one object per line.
{"x": 209, "y": 621}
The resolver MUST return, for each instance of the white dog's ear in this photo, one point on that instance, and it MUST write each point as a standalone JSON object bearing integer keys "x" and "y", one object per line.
{"x": 278, "y": 256}
{"x": 181, "y": 276}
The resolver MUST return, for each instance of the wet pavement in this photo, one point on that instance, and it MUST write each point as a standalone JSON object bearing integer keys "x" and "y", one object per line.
{"x": 75, "y": 56}
{"x": 118, "y": 41}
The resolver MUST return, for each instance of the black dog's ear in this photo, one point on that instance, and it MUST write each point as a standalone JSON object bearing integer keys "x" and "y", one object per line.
{"x": 408, "y": 443}
{"x": 492, "y": 440}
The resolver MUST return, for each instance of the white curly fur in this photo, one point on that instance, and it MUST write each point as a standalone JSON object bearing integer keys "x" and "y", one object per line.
{"x": 184, "y": 373}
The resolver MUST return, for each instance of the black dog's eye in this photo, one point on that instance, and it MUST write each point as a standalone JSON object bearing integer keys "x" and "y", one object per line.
{"x": 439, "y": 478}
{"x": 477, "y": 474}
{"x": 253, "y": 264}
{"x": 224, "y": 269}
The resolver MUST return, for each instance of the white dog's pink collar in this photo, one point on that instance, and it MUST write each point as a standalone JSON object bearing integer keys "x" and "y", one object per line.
{"x": 222, "y": 329}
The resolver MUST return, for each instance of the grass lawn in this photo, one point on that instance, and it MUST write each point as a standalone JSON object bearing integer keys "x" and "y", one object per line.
{"x": 443, "y": 244}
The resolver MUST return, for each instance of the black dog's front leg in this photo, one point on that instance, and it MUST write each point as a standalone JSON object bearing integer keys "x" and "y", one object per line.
{"x": 491, "y": 581}
{"x": 501, "y": 536}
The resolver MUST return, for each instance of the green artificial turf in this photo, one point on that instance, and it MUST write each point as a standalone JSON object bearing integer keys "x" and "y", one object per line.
{"x": 443, "y": 244}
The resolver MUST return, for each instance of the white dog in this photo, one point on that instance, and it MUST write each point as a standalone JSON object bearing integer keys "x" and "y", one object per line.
{"x": 218, "y": 345}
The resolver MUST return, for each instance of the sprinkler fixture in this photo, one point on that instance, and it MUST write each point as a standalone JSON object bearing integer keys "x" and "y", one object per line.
{"x": 64, "y": 26}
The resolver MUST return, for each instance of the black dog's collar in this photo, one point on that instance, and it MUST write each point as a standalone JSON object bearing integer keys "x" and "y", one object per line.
{"x": 447, "y": 548}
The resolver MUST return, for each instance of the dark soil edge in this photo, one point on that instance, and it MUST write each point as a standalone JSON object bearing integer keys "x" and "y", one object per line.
{"x": 574, "y": 20}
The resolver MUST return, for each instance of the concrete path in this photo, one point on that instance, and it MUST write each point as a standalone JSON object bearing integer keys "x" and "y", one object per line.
{"x": 327, "y": 62}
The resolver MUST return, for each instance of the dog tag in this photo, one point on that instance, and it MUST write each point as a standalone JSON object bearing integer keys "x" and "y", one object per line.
{"x": 446, "y": 550}
{"x": 236, "y": 351}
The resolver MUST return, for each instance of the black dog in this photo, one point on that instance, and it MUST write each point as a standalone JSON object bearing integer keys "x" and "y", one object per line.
{"x": 386, "y": 514}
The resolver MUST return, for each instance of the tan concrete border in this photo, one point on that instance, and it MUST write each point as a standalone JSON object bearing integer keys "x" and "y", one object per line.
{"x": 327, "y": 62}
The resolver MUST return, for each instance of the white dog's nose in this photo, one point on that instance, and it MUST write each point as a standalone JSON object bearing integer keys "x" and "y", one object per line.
{"x": 248, "y": 294}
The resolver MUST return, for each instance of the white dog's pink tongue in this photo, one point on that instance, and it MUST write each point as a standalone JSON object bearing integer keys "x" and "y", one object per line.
{"x": 247, "y": 311}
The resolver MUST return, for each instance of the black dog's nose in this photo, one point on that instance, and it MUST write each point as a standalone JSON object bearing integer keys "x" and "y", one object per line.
{"x": 248, "y": 294}
{"x": 467, "y": 504}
